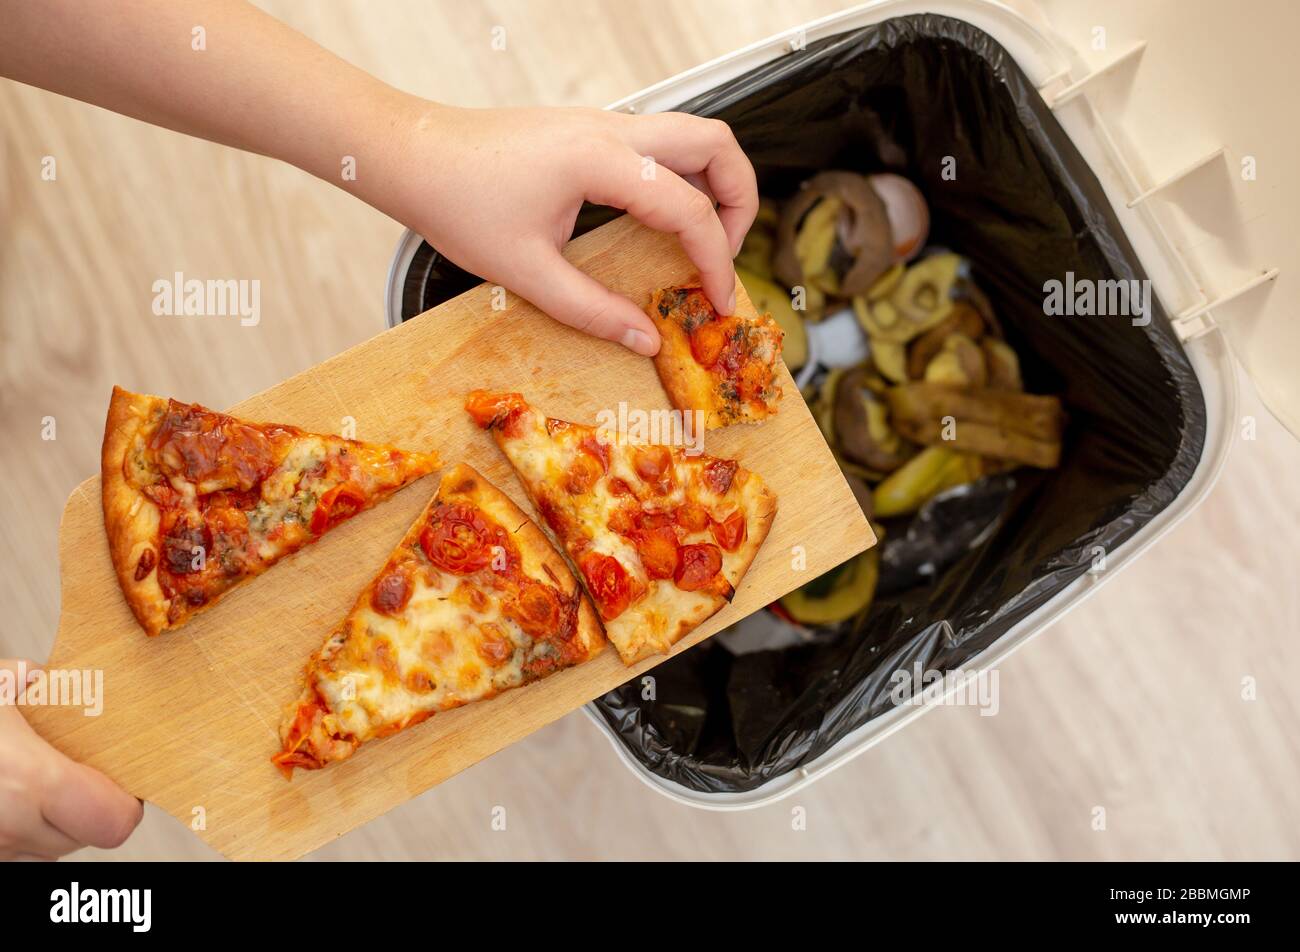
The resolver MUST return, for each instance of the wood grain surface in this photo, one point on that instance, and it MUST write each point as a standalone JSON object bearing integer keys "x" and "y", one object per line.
{"x": 1133, "y": 702}
{"x": 189, "y": 719}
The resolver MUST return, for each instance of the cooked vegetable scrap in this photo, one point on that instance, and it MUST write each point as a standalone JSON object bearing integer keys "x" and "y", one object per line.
{"x": 960, "y": 363}
{"x": 1013, "y": 426}
{"x": 940, "y": 399}
{"x": 923, "y": 477}
{"x": 925, "y": 293}
{"x": 964, "y": 320}
{"x": 835, "y": 235}
{"x": 838, "y": 595}
{"x": 862, "y": 424}
{"x": 890, "y": 359}
{"x": 755, "y": 255}
{"x": 918, "y": 300}
{"x": 884, "y": 285}
{"x": 815, "y": 242}
{"x": 1003, "y": 365}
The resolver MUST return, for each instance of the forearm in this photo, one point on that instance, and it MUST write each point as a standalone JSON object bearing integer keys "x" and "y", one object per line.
{"x": 496, "y": 190}
{"x": 255, "y": 84}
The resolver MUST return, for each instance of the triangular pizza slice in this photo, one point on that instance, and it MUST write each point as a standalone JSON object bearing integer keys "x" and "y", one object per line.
{"x": 660, "y": 537}
{"x": 474, "y": 601}
{"x": 725, "y": 368}
{"x": 196, "y": 502}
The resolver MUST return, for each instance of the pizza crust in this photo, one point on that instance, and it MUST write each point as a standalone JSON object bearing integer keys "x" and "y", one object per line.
{"x": 634, "y": 632}
{"x": 760, "y": 513}
{"x": 130, "y": 518}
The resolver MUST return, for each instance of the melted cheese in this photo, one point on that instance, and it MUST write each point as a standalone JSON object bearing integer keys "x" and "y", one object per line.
{"x": 304, "y": 454}
{"x": 543, "y": 459}
{"x": 450, "y": 645}
{"x": 425, "y": 659}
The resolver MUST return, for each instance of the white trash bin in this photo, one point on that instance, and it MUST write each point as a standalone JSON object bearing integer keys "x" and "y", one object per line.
{"x": 1206, "y": 302}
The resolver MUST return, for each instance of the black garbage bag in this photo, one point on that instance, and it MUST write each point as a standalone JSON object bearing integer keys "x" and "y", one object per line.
{"x": 919, "y": 95}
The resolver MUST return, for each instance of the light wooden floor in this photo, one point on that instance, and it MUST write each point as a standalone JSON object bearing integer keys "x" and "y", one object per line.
{"x": 1132, "y": 703}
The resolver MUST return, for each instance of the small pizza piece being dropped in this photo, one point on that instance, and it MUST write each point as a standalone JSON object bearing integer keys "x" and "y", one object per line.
{"x": 661, "y": 538}
{"x": 474, "y": 601}
{"x": 724, "y": 367}
{"x": 196, "y": 502}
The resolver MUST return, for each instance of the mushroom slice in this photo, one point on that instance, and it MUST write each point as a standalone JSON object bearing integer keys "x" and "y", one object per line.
{"x": 884, "y": 285}
{"x": 1003, "y": 365}
{"x": 963, "y": 319}
{"x": 861, "y": 231}
{"x": 927, "y": 287}
{"x": 960, "y": 363}
{"x": 862, "y": 427}
{"x": 968, "y": 290}
{"x": 890, "y": 358}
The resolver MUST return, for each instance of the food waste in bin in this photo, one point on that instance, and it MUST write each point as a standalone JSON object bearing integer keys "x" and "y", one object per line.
{"x": 913, "y": 385}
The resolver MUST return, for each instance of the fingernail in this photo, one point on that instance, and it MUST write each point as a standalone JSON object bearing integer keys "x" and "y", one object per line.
{"x": 731, "y": 304}
{"x": 638, "y": 341}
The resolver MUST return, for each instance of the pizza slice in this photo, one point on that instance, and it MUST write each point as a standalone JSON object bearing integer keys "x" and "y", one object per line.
{"x": 661, "y": 538}
{"x": 724, "y": 367}
{"x": 195, "y": 501}
{"x": 473, "y": 602}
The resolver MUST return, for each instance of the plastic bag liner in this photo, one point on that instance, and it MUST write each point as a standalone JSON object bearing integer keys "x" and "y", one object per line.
{"x": 919, "y": 95}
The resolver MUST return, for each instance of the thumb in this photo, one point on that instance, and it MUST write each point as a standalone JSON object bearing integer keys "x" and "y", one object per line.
{"x": 87, "y": 806}
{"x": 582, "y": 302}
{"x": 16, "y": 673}
{"x": 77, "y": 800}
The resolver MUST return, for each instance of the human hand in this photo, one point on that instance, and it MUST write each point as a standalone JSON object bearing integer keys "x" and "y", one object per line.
{"x": 51, "y": 805}
{"x": 498, "y": 190}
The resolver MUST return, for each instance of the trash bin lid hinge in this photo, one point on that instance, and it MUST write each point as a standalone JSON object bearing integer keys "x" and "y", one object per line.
{"x": 1197, "y": 320}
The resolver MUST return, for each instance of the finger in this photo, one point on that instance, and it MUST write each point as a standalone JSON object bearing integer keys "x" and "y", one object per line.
{"x": 582, "y": 302}
{"x": 666, "y": 202}
{"x": 12, "y": 665}
{"x": 83, "y": 804}
{"x": 700, "y": 180}
{"x": 690, "y": 145}
{"x": 42, "y": 839}
{"x": 38, "y": 838}
{"x": 78, "y": 802}
{"x": 20, "y": 671}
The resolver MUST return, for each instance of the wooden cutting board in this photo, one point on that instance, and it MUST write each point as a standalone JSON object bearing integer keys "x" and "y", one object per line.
{"x": 189, "y": 719}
